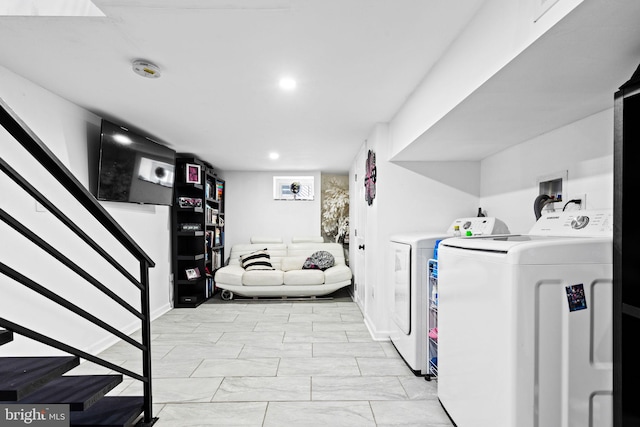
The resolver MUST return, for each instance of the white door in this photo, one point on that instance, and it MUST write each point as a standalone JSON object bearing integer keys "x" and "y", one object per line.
{"x": 359, "y": 228}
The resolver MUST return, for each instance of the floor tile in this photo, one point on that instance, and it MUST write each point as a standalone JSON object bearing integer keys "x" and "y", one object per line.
{"x": 418, "y": 388}
{"x": 318, "y": 366}
{"x": 321, "y": 414}
{"x": 427, "y": 413}
{"x": 339, "y": 326}
{"x": 251, "y": 337}
{"x": 277, "y": 350}
{"x": 263, "y": 389}
{"x": 266, "y": 367}
{"x": 374, "y": 366}
{"x": 357, "y": 388}
{"x": 348, "y": 349}
{"x": 332, "y": 336}
{"x": 249, "y": 414}
{"x": 283, "y": 327}
{"x": 204, "y": 351}
{"x": 178, "y": 390}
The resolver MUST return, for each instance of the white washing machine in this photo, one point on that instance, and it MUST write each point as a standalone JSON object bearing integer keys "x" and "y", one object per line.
{"x": 525, "y": 325}
{"x": 410, "y": 254}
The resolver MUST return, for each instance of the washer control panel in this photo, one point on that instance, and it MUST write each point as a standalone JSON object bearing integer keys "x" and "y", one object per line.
{"x": 477, "y": 226}
{"x": 585, "y": 223}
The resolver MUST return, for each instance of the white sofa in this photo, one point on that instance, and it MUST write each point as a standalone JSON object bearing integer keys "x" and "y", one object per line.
{"x": 288, "y": 278}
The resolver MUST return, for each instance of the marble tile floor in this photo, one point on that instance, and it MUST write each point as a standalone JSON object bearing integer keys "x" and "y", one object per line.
{"x": 276, "y": 364}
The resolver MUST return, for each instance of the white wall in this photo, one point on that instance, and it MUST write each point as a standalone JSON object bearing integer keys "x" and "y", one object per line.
{"x": 68, "y": 130}
{"x": 583, "y": 149}
{"x": 250, "y": 209}
{"x": 405, "y": 201}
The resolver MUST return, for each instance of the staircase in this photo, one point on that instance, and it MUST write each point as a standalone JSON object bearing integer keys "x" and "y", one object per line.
{"x": 33, "y": 383}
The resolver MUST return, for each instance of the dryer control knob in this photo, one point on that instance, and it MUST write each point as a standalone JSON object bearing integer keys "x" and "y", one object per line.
{"x": 579, "y": 222}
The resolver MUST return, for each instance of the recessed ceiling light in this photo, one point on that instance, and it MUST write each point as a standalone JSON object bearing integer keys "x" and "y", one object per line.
{"x": 287, "y": 83}
{"x": 146, "y": 69}
{"x": 274, "y": 156}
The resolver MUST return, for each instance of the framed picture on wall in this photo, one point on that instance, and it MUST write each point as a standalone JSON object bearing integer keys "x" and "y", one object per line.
{"x": 192, "y": 174}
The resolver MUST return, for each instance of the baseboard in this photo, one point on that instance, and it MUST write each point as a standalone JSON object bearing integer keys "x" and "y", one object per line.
{"x": 375, "y": 335}
{"x": 134, "y": 326}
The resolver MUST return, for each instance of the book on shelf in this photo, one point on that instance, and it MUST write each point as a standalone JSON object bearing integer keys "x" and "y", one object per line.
{"x": 219, "y": 190}
{"x": 211, "y": 215}
{"x": 216, "y": 260}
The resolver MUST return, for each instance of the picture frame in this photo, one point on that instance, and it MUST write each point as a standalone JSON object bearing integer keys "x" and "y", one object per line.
{"x": 192, "y": 174}
{"x": 192, "y": 273}
{"x": 189, "y": 202}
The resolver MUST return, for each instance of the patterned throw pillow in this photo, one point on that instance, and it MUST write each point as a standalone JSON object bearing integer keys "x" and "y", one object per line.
{"x": 320, "y": 260}
{"x": 258, "y": 260}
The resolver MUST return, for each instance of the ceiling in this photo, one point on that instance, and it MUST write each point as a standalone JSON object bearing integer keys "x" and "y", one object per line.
{"x": 355, "y": 63}
{"x": 569, "y": 73}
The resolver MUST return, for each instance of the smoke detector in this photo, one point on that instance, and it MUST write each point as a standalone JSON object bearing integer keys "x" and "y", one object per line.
{"x": 146, "y": 69}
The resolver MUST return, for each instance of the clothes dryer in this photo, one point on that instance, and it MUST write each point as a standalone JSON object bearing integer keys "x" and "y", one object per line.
{"x": 525, "y": 325}
{"x": 410, "y": 254}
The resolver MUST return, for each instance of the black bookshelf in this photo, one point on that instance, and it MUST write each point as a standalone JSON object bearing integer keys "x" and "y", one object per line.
{"x": 197, "y": 231}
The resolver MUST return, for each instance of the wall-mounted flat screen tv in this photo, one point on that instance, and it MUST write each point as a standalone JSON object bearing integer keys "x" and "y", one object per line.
{"x": 133, "y": 168}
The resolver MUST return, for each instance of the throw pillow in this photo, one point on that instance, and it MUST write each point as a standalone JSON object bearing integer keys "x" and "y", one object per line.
{"x": 320, "y": 260}
{"x": 258, "y": 260}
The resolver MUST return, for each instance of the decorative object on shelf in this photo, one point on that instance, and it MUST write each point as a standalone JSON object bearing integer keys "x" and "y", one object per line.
{"x": 190, "y": 227}
{"x": 189, "y": 202}
{"x": 193, "y": 273}
{"x": 192, "y": 174}
{"x": 370, "y": 178}
{"x": 335, "y": 211}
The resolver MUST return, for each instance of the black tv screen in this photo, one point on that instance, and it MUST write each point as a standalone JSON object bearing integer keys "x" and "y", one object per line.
{"x": 134, "y": 168}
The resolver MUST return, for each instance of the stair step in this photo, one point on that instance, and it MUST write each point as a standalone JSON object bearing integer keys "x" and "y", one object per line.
{"x": 116, "y": 411}
{"x": 5, "y": 336}
{"x": 79, "y": 392}
{"x": 21, "y": 376}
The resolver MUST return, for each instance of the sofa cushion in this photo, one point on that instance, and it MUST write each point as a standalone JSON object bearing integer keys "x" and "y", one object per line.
{"x": 229, "y": 274}
{"x": 276, "y": 251}
{"x": 320, "y": 260}
{"x": 258, "y": 260}
{"x": 262, "y": 278}
{"x": 337, "y": 274}
{"x": 307, "y": 248}
{"x": 303, "y": 277}
{"x": 293, "y": 263}
{"x": 261, "y": 239}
